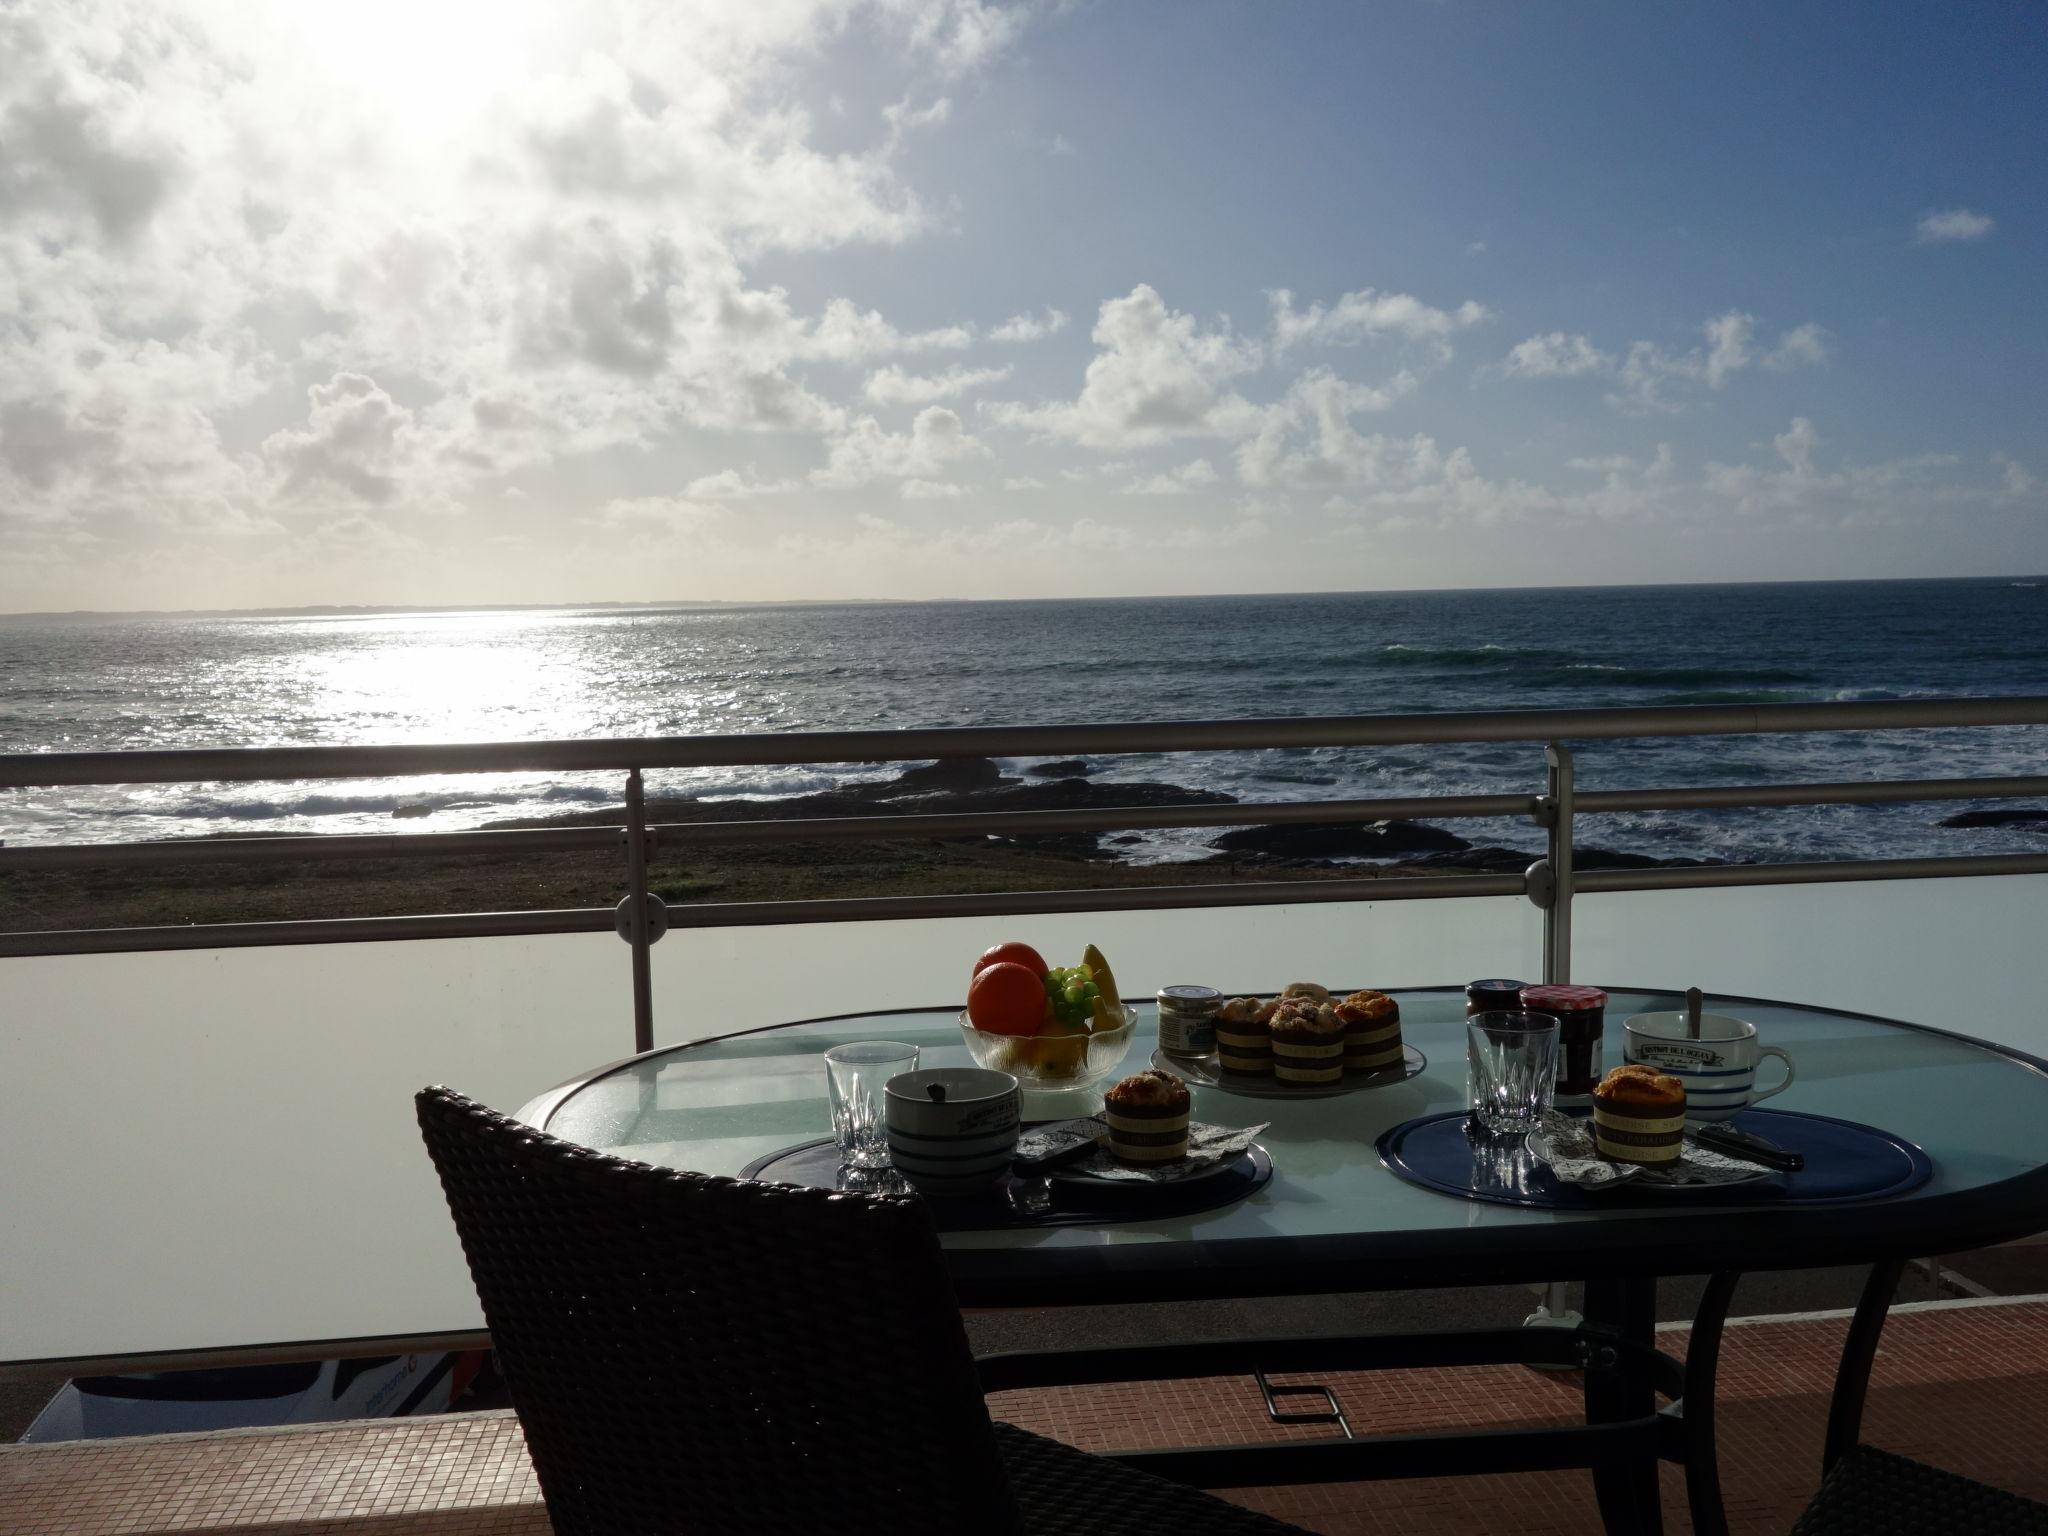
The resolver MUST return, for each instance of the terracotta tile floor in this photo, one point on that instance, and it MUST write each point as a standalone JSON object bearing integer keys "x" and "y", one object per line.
{"x": 1964, "y": 1386}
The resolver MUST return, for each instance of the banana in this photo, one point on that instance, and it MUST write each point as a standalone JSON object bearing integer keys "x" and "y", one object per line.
{"x": 1109, "y": 1004}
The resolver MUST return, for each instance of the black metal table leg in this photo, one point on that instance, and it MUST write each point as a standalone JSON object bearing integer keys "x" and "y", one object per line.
{"x": 1619, "y": 1385}
{"x": 1696, "y": 1408}
{"x": 1859, "y": 1353}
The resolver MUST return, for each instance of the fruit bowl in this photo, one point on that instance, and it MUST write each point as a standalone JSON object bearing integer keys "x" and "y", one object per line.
{"x": 1053, "y": 1063}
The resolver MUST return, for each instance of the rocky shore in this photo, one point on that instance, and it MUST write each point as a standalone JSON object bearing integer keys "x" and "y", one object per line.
{"x": 255, "y": 892}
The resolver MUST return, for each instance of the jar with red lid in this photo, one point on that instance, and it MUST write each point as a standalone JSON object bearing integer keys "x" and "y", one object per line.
{"x": 1581, "y": 1014}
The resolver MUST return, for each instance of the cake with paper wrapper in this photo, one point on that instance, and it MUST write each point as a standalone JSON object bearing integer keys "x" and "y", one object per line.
{"x": 1639, "y": 1115}
{"x": 1147, "y": 1116}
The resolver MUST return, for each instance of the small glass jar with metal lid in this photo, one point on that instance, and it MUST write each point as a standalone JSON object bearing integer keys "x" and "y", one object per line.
{"x": 1187, "y": 1019}
{"x": 1494, "y": 995}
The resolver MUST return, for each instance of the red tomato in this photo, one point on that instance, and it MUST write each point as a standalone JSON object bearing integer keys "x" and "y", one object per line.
{"x": 1020, "y": 954}
{"x": 1006, "y": 999}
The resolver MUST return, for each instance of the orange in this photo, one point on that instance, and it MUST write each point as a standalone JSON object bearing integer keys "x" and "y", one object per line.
{"x": 1021, "y": 954}
{"x": 1006, "y": 999}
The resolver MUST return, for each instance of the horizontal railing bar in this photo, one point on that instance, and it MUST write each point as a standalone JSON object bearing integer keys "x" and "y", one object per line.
{"x": 1704, "y": 876}
{"x": 251, "y": 1354}
{"x": 312, "y": 930}
{"x": 756, "y": 914}
{"x": 1104, "y": 819}
{"x": 245, "y": 764}
{"x": 299, "y": 850}
{"x": 1855, "y": 792}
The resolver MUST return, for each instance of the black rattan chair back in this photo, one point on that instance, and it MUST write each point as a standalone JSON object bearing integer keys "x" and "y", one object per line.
{"x": 689, "y": 1353}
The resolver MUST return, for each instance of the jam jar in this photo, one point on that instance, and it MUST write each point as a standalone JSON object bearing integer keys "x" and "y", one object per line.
{"x": 1492, "y": 996}
{"x": 1581, "y": 1014}
{"x": 1187, "y": 1019}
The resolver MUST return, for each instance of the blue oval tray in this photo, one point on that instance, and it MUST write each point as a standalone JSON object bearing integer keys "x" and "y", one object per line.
{"x": 1844, "y": 1161}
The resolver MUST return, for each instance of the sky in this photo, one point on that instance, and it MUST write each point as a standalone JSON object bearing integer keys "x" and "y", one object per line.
{"x": 533, "y": 301}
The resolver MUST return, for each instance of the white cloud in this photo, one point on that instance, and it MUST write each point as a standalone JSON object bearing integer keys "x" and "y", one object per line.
{"x": 1366, "y": 313}
{"x": 357, "y": 446}
{"x": 1727, "y": 346}
{"x": 1804, "y": 346}
{"x": 1953, "y": 224}
{"x": 931, "y": 490}
{"x": 1192, "y": 476}
{"x": 1306, "y": 438}
{"x": 667, "y": 514}
{"x": 866, "y": 452}
{"x": 1023, "y": 483}
{"x": 902, "y": 118}
{"x": 1157, "y": 375}
{"x": 1555, "y": 356}
{"x": 1030, "y": 327}
{"x": 2015, "y": 483}
{"x": 892, "y": 386}
{"x": 731, "y": 485}
{"x": 846, "y": 333}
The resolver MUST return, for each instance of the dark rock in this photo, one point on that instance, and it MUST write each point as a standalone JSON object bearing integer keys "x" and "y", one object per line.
{"x": 2015, "y": 816}
{"x": 947, "y": 776}
{"x": 407, "y": 812}
{"x": 1475, "y": 861}
{"x": 1340, "y": 840}
{"x": 1065, "y": 768}
{"x": 1126, "y": 839}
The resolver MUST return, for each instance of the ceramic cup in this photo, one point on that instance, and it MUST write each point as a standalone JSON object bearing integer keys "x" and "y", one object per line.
{"x": 1718, "y": 1069}
{"x": 959, "y": 1142}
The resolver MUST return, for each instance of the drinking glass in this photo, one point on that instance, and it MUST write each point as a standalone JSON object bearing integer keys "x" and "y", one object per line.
{"x": 1512, "y": 1069}
{"x": 854, "y": 1075}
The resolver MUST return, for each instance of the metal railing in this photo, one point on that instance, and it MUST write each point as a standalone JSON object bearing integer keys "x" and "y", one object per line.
{"x": 1551, "y": 882}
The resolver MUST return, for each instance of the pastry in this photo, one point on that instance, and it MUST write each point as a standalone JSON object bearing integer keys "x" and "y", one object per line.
{"x": 1372, "y": 1031}
{"x": 1308, "y": 1041}
{"x": 1639, "y": 1115}
{"x": 1306, "y": 989}
{"x": 1244, "y": 1041}
{"x": 1147, "y": 1116}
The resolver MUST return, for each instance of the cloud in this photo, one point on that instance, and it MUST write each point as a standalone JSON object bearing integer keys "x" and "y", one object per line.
{"x": 1728, "y": 338}
{"x": 1023, "y": 483}
{"x": 1306, "y": 438}
{"x": 1366, "y": 313}
{"x": 1804, "y": 346}
{"x": 356, "y": 446}
{"x": 865, "y": 453}
{"x": 731, "y": 485}
{"x": 1953, "y": 224}
{"x": 1029, "y": 327}
{"x": 1156, "y": 376}
{"x": 902, "y": 118}
{"x": 1194, "y": 475}
{"x": 931, "y": 490}
{"x": 1555, "y": 356}
{"x": 892, "y": 386}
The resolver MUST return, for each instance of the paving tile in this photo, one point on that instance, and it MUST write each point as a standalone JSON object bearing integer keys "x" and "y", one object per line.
{"x": 1962, "y": 1387}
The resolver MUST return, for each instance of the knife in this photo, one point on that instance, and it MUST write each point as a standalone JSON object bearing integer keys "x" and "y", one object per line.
{"x": 1749, "y": 1146}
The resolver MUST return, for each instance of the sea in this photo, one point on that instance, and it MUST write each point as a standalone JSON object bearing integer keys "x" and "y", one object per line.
{"x": 108, "y": 683}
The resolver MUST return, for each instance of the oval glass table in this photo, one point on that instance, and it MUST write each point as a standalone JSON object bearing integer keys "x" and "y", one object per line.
{"x": 1334, "y": 1219}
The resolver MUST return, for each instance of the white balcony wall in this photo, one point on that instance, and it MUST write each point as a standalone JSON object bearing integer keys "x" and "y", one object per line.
{"x": 216, "y": 1149}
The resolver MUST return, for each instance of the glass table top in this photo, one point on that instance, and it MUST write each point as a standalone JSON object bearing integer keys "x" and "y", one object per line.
{"x": 717, "y": 1105}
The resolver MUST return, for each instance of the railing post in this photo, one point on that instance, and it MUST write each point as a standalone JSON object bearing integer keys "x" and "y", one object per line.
{"x": 1557, "y": 914}
{"x": 638, "y": 921}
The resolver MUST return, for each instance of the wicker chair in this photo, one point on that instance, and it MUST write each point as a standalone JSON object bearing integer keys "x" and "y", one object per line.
{"x": 1871, "y": 1492}
{"x": 689, "y": 1353}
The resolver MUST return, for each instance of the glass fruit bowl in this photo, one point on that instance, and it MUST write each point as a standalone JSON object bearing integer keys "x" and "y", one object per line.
{"x": 1053, "y": 1063}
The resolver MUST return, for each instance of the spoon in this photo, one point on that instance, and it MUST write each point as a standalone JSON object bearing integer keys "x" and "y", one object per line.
{"x": 1692, "y": 1013}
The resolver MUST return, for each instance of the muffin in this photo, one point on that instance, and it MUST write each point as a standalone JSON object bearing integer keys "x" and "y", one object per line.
{"x": 1308, "y": 1041}
{"x": 1639, "y": 1115}
{"x": 1147, "y": 1116}
{"x": 1244, "y": 1044}
{"x": 1372, "y": 1031}
{"x": 1308, "y": 989}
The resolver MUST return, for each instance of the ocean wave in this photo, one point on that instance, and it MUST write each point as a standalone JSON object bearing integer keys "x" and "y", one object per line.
{"x": 1399, "y": 655}
{"x": 284, "y": 807}
{"x": 1736, "y": 696}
